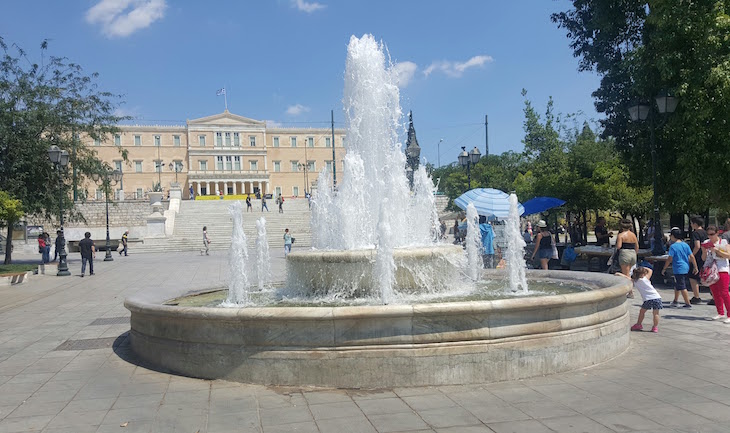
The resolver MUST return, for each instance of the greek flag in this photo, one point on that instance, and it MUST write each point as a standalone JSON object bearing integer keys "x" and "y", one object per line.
{"x": 220, "y": 92}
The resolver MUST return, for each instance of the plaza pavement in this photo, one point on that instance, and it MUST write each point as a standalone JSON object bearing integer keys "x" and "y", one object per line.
{"x": 65, "y": 366}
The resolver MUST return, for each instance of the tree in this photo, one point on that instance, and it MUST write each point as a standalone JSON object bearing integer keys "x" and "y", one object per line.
{"x": 640, "y": 50}
{"x": 11, "y": 211}
{"x": 42, "y": 104}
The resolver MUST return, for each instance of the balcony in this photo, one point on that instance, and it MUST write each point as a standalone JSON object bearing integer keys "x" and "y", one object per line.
{"x": 228, "y": 174}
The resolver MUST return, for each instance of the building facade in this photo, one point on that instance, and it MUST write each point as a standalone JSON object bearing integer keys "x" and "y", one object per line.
{"x": 221, "y": 154}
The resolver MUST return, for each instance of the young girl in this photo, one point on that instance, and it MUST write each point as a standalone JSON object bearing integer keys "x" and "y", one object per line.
{"x": 652, "y": 300}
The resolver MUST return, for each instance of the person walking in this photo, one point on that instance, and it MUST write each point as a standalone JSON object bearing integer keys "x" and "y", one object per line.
{"x": 628, "y": 247}
{"x": 206, "y": 241}
{"x": 125, "y": 240}
{"x": 88, "y": 253}
{"x": 192, "y": 193}
{"x": 543, "y": 245}
{"x": 288, "y": 241}
{"x": 280, "y": 202}
{"x": 641, "y": 278}
{"x": 249, "y": 208}
{"x": 59, "y": 245}
{"x": 680, "y": 257}
{"x": 718, "y": 252}
{"x": 457, "y": 235}
{"x": 263, "y": 204}
{"x": 699, "y": 235}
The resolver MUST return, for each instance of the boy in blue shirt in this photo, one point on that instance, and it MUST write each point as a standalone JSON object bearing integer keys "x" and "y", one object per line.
{"x": 680, "y": 257}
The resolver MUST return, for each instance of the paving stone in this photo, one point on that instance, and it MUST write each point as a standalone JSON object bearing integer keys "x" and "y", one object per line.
{"x": 358, "y": 424}
{"x": 575, "y": 424}
{"x": 498, "y": 413}
{"x": 30, "y": 423}
{"x": 318, "y": 397}
{"x": 527, "y": 426}
{"x": 625, "y": 421}
{"x": 302, "y": 427}
{"x": 343, "y": 409}
{"x": 289, "y": 415}
{"x": 448, "y": 417}
{"x": 382, "y": 406}
{"x": 429, "y": 401}
{"x": 395, "y": 422}
{"x": 234, "y": 422}
{"x": 465, "y": 429}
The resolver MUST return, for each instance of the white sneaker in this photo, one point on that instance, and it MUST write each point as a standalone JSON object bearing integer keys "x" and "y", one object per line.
{"x": 718, "y": 317}
{"x": 726, "y": 320}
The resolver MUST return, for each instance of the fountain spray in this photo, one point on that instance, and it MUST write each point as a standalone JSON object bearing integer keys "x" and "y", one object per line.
{"x": 237, "y": 260}
{"x": 262, "y": 259}
{"x": 515, "y": 248}
{"x": 473, "y": 243}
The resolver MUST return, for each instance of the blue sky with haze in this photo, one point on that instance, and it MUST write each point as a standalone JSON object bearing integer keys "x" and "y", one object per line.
{"x": 283, "y": 60}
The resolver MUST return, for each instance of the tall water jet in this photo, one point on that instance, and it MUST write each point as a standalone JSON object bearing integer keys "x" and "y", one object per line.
{"x": 237, "y": 260}
{"x": 262, "y": 266}
{"x": 473, "y": 243}
{"x": 423, "y": 207}
{"x": 515, "y": 248}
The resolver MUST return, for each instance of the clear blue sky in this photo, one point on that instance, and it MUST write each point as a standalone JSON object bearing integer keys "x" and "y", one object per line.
{"x": 283, "y": 60}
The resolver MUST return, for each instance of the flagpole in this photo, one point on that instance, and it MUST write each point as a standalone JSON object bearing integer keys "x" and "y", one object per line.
{"x": 225, "y": 97}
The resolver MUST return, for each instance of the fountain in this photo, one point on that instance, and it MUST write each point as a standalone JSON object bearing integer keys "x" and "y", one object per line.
{"x": 378, "y": 302}
{"x": 473, "y": 243}
{"x": 262, "y": 259}
{"x": 515, "y": 249}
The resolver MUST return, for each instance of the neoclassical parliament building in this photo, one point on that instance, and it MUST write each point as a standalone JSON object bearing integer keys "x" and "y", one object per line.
{"x": 220, "y": 154}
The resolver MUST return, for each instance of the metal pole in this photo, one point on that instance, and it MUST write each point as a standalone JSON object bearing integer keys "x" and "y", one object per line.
{"x": 73, "y": 161}
{"x": 334, "y": 161}
{"x": 486, "y": 135}
{"x": 658, "y": 249}
{"x": 108, "y": 256}
{"x": 438, "y": 146}
{"x": 62, "y": 263}
{"x": 468, "y": 173}
{"x": 159, "y": 165}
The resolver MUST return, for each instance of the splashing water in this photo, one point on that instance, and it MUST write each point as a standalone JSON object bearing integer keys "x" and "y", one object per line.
{"x": 515, "y": 248}
{"x": 373, "y": 206}
{"x": 473, "y": 243}
{"x": 237, "y": 260}
{"x": 262, "y": 258}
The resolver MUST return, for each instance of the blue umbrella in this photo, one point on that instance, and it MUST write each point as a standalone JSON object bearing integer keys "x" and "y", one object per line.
{"x": 541, "y": 204}
{"x": 488, "y": 201}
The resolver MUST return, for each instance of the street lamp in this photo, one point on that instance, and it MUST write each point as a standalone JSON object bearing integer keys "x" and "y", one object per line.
{"x": 413, "y": 154}
{"x": 304, "y": 168}
{"x": 467, "y": 159}
{"x": 665, "y": 104}
{"x": 177, "y": 166}
{"x": 438, "y": 146}
{"x": 107, "y": 177}
{"x": 59, "y": 159}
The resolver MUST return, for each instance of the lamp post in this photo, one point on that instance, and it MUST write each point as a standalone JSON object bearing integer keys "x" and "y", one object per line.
{"x": 59, "y": 158}
{"x": 177, "y": 166}
{"x": 438, "y": 146}
{"x": 467, "y": 159}
{"x": 665, "y": 104}
{"x": 304, "y": 169}
{"x": 108, "y": 177}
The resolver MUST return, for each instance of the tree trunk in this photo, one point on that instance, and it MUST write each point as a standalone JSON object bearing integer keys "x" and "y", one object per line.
{"x": 9, "y": 244}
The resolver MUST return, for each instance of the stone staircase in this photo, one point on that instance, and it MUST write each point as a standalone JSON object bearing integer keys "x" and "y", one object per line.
{"x": 193, "y": 215}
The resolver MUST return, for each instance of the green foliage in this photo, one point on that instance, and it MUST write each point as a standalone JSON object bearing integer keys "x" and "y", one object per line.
{"x": 639, "y": 51}
{"x": 156, "y": 187}
{"x": 11, "y": 209}
{"x": 42, "y": 104}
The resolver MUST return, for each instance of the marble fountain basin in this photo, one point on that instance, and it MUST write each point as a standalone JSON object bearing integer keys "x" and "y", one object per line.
{"x": 381, "y": 346}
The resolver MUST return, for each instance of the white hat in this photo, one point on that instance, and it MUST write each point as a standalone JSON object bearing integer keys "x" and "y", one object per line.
{"x": 542, "y": 224}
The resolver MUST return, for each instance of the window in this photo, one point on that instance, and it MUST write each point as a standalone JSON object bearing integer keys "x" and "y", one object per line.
{"x": 278, "y": 191}
{"x": 276, "y": 141}
{"x": 228, "y": 138}
{"x": 176, "y": 140}
{"x": 97, "y": 142}
{"x": 117, "y": 140}
{"x": 219, "y": 163}
{"x": 254, "y": 165}
{"x": 138, "y": 166}
{"x": 229, "y": 163}
{"x": 158, "y": 166}
{"x": 236, "y": 139}
{"x": 219, "y": 139}
{"x": 252, "y": 140}
{"x": 295, "y": 191}
{"x": 327, "y": 142}
{"x": 118, "y": 165}
{"x": 277, "y": 166}
{"x": 137, "y": 140}
{"x": 343, "y": 140}
{"x": 99, "y": 194}
{"x": 203, "y": 165}
{"x": 328, "y": 165}
{"x": 237, "y": 163}
{"x": 310, "y": 141}
{"x": 139, "y": 195}
{"x": 310, "y": 166}
{"x": 293, "y": 141}
{"x": 294, "y": 166}
{"x": 157, "y": 140}
{"x": 201, "y": 140}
